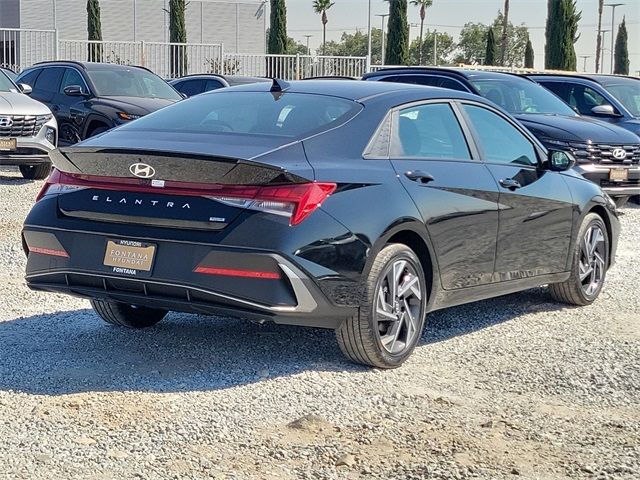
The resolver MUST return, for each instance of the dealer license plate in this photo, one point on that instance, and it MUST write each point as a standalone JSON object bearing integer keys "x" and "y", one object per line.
{"x": 129, "y": 256}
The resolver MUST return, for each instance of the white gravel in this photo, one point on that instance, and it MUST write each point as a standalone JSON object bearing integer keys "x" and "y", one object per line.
{"x": 516, "y": 387}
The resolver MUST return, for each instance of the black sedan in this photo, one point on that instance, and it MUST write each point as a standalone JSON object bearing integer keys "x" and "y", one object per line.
{"x": 356, "y": 206}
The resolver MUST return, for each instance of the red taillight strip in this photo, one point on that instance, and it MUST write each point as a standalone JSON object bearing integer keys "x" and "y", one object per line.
{"x": 49, "y": 251}
{"x": 230, "y": 272}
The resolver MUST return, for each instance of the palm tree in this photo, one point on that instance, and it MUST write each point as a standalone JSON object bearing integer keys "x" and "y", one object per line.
{"x": 321, "y": 6}
{"x": 599, "y": 37}
{"x": 423, "y": 4}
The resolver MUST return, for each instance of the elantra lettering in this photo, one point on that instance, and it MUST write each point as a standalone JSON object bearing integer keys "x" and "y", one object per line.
{"x": 138, "y": 201}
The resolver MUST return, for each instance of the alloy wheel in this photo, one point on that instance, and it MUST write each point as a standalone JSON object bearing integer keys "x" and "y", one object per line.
{"x": 399, "y": 306}
{"x": 592, "y": 263}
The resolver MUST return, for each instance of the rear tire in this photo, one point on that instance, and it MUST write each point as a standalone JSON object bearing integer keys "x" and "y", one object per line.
{"x": 35, "y": 172}
{"x": 589, "y": 263}
{"x": 124, "y": 315}
{"x": 392, "y": 311}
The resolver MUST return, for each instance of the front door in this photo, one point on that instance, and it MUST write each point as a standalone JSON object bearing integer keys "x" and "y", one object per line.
{"x": 535, "y": 205}
{"x": 455, "y": 194}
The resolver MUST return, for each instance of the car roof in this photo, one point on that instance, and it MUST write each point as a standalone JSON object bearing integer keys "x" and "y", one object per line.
{"x": 594, "y": 77}
{"x": 87, "y": 65}
{"x": 356, "y": 90}
{"x": 451, "y": 72}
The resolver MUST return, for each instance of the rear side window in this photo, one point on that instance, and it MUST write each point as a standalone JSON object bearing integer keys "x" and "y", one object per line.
{"x": 213, "y": 85}
{"x": 191, "y": 87}
{"x": 253, "y": 113}
{"x": 429, "y": 131}
{"x": 49, "y": 80}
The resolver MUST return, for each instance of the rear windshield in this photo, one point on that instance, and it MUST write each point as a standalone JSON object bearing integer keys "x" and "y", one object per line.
{"x": 254, "y": 113}
{"x": 627, "y": 91}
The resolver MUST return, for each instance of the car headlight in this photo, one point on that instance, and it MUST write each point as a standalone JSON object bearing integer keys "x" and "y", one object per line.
{"x": 128, "y": 116}
{"x": 50, "y": 135}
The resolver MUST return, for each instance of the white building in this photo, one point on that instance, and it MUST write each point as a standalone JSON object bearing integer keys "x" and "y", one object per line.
{"x": 239, "y": 25}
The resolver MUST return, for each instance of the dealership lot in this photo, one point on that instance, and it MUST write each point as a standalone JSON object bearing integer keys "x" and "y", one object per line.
{"x": 518, "y": 385}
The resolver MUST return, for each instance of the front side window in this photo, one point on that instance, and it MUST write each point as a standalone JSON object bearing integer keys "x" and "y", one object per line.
{"x": 585, "y": 98}
{"x": 72, "y": 77}
{"x": 251, "y": 113}
{"x": 429, "y": 131}
{"x": 500, "y": 141}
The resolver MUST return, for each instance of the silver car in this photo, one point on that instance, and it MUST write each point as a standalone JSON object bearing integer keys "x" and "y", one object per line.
{"x": 28, "y": 130}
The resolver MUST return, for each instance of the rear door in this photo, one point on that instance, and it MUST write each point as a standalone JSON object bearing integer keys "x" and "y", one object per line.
{"x": 454, "y": 192}
{"x": 46, "y": 88}
{"x": 70, "y": 116}
{"x": 536, "y": 208}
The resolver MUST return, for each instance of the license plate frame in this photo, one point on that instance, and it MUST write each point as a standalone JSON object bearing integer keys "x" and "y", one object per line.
{"x": 8, "y": 144}
{"x": 129, "y": 257}
{"x": 618, "y": 174}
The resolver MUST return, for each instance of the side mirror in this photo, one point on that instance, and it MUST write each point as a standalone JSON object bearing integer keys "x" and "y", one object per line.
{"x": 74, "y": 91}
{"x": 24, "y": 88}
{"x": 560, "y": 160}
{"x": 604, "y": 111}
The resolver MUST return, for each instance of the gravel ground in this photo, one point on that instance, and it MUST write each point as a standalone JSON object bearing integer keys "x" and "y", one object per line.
{"x": 515, "y": 387}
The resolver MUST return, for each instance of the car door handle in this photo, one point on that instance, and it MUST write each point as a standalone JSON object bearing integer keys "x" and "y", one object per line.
{"x": 510, "y": 183}
{"x": 419, "y": 176}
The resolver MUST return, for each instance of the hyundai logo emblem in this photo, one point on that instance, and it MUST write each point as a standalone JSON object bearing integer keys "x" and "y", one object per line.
{"x": 6, "y": 122}
{"x": 619, "y": 154}
{"x": 142, "y": 170}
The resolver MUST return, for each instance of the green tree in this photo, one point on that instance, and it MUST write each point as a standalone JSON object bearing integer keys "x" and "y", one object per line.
{"x": 621, "y": 59}
{"x": 490, "y": 52}
{"x": 356, "y": 44}
{"x": 528, "y": 55}
{"x": 321, "y": 7}
{"x": 423, "y": 4}
{"x": 397, "y": 46}
{"x": 446, "y": 47}
{"x": 177, "y": 34}
{"x": 561, "y": 35}
{"x": 295, "y": 48}
{"x": 277, "y": 43}
{"x": 94, "y": 30}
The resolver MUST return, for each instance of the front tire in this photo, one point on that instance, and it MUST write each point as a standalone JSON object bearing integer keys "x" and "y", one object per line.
{"x": 124, "y": 315}
{"x": 35, "y": 172}
{"x": 392, "y": 311}
{"x": 589, "y": 263}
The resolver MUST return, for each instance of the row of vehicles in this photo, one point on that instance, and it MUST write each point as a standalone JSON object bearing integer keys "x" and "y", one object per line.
{"x": 358, "y": 206}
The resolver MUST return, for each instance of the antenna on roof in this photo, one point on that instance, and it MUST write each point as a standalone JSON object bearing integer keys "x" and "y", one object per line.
{"x": 279, "y": 85}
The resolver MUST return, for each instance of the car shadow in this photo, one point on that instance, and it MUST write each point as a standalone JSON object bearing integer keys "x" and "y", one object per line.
{"x": 73, "y": 351}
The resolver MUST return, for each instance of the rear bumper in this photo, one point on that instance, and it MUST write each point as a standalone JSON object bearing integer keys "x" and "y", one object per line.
{"x": 599, "y": 175}
{"x": 292, "y": 298}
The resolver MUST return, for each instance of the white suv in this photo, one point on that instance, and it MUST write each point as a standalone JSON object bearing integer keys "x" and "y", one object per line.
{"x": 28, "y": 130}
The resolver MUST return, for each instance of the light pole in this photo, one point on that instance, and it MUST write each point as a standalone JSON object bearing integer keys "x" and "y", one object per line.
{"x": 383, "y": 15}
{"x": 369, "y": 38}
{"x": 584, "y": 63}
{"x": 308, "y": 37}
{"x": 613, "y": 26}
{"x": 603, "y": 32}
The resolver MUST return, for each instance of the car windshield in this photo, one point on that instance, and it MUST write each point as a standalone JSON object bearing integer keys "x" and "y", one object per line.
{"x": 252, "y": 113}
{"x": 627, "y": 91}
{"x": 6, "y": 85}
{"x": 517, "y": 95}
{"x": 130, "y": 82}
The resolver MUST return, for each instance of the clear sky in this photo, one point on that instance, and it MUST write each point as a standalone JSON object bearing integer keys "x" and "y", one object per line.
{"x": 450, "y": 15}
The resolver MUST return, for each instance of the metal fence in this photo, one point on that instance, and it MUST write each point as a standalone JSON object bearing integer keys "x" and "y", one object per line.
{"x": 20, "y": 48}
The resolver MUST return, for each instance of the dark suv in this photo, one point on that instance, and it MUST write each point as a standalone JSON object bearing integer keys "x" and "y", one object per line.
{"x": 612, "y": 98}
{"x": 607, "y": 155}
{"x": 90, "y": 98}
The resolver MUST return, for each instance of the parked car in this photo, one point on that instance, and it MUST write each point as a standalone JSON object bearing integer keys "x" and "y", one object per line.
{"x": 613, "y": 98}
{"x": 9, "y": 73}
{"x": 607, "y": 155}
{"x": 191, "y": 85}
{"x": 28, "y": 131}
{"x": 358, "y": 206}
{"x": 90, "y": 98}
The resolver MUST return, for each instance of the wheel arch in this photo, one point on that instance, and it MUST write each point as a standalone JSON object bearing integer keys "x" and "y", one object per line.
{"x": 601, "y": 211}
{"x": 93, "y": 122}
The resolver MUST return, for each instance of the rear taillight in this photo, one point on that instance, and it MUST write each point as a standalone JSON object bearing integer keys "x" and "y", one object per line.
{"x": 296, "y": 201}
